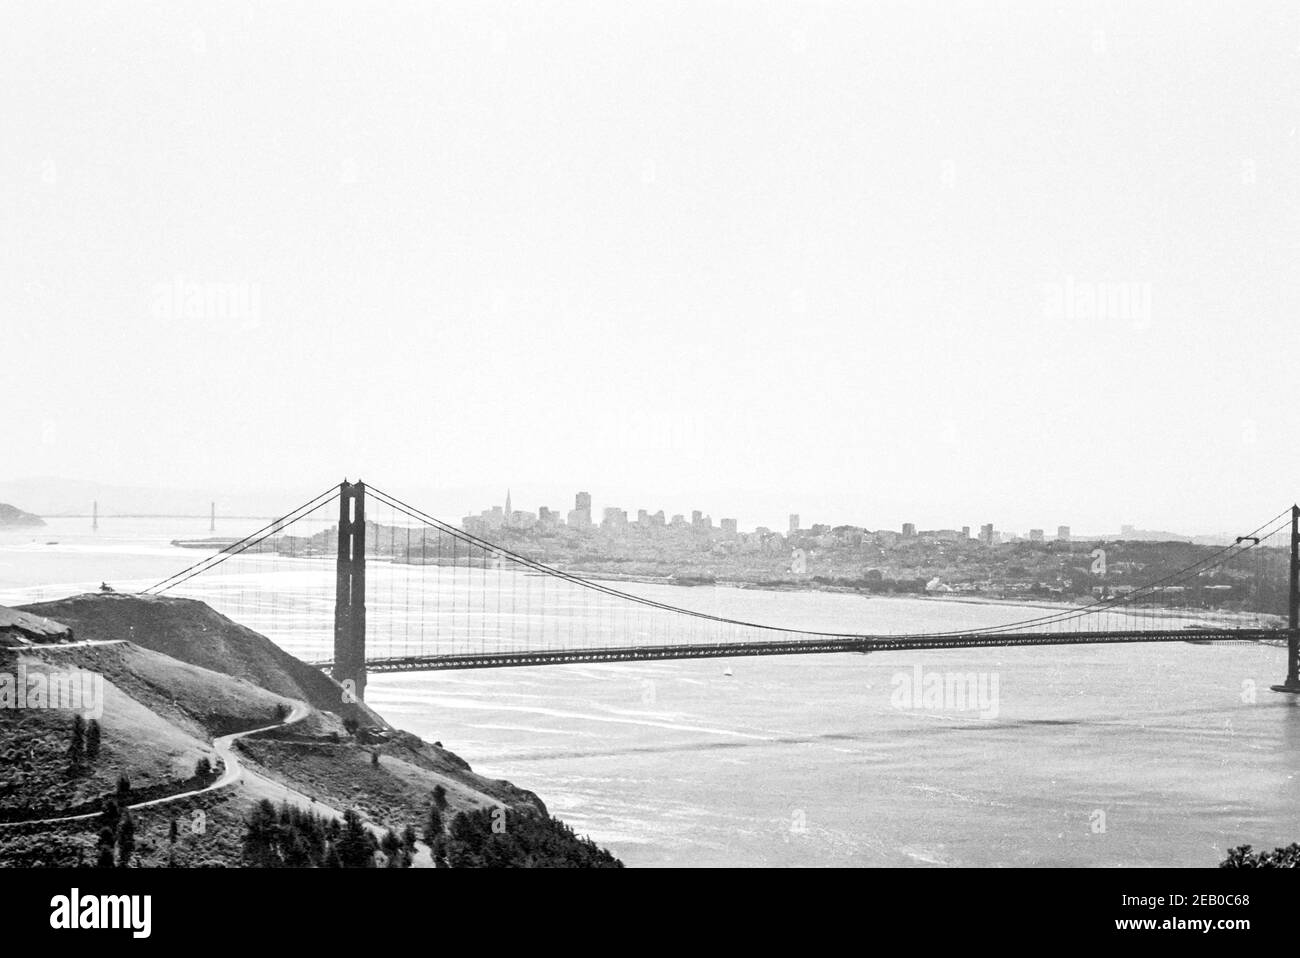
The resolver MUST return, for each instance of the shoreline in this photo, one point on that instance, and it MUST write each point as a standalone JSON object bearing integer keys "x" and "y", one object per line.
{"x": 1171, "y": 612}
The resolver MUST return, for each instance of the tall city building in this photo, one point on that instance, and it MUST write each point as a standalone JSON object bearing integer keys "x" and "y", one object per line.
{"x": 510, "y": 512}
{"x": 794, "y": 523}
{"x": 1063, "y": 533}
{"x": 1035, "y": 535}
{"x": 909, "y": 529}
{"x": 986, "y": 534}
{"x": 965, "y": 532}
{"x": 580, "y": 514}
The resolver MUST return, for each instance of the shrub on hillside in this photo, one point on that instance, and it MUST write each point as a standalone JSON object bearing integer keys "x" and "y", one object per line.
{"x": 1243, "y": 857}
{"x": 503, "y": 838}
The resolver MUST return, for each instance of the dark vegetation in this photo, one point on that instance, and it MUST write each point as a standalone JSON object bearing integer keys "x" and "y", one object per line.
{"x": 1243, "y": 857}
{"x": 496, "y": 837}
{"x": 290, "y": 837}
{"x": 502, "y": 838}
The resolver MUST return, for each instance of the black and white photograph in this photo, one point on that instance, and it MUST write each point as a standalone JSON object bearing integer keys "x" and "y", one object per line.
{"x": 766, "y": 437}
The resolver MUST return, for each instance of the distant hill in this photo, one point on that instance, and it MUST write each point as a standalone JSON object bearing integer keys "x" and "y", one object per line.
{"x": 12, "y": 516}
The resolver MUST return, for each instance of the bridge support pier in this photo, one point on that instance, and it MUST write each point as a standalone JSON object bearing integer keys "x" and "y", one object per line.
{"x": 1292, "y": 683}
{"x": 350, "y": 592}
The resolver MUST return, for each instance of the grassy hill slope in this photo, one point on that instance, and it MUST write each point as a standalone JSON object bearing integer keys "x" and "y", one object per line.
{"x": 193, "y": 632}
{"x": 158, "y": 718}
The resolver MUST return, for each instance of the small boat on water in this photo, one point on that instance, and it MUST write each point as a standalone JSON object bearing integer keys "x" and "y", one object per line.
{"x": 727, "y": 671}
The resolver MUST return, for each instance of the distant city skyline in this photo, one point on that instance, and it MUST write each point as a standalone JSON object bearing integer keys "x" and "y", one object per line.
{"x": 55, "y": 495}
{"x": 586, "y": 514}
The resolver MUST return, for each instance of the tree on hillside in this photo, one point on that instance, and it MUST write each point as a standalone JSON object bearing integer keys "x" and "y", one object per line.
{"x": 433, "y": 827}
{"x": 108, "y": 818}
{"x": 107, "y": 840}
{"x": 392, "y": 848}
{"x": 92, "y": 740}
{"x": 77, "y": 743}
{"x": 356, "y": 846}
{"x": 409, "y": 838}
{"x": 439, "y": 851}
{"x": 440, "y": 797}
{"x": 125, "y": 840}
{"x": 262, "y": 836}
{"x": 203, "y": 768}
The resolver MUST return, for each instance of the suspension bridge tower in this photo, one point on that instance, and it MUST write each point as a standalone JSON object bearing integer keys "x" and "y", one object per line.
{"x": 350, "y": 591}
{"x": 1292, "y": 683}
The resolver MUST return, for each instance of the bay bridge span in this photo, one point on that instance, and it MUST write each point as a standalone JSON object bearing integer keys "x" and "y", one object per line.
{"x": 356, "y": 581}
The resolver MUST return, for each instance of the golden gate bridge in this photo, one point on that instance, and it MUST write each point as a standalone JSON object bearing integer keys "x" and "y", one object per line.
{"x": 357, "y": 580}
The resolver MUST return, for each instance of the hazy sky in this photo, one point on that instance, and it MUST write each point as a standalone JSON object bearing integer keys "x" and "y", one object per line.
{"x": 833, "y": 258}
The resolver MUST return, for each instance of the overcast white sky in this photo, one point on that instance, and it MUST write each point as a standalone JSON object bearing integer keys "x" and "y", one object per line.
{"x": 749, "y": 258}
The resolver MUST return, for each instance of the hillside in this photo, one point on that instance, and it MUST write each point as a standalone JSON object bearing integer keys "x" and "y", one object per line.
{"x": 193, "y": 632}
{"x": 23, "y": 628}
{"x": 13, "y": 517}
{"x": 175, "y": 676}
{"x": 157, "y": 716}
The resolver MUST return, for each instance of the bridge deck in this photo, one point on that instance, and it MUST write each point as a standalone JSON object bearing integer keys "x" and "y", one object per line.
{"x": 810, "y": 646}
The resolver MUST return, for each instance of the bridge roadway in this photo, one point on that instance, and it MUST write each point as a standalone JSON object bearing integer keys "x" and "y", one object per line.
{"x": 809, "y": 646}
